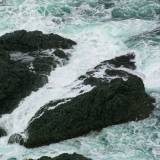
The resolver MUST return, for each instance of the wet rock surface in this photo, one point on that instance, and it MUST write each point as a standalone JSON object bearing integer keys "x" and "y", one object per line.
{"x": 16, "y": 82}
{"x": 32, "y": 41}
{"x": 2, "y": 132}
{"x": 25, "y": 64}
{"x": 16, "y": 138}
{"x": 117, "y": 97}
{"x": 65, "y": 156}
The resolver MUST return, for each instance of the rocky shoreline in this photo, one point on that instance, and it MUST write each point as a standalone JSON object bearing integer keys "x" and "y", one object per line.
{"x": 65, "y": 156}
{"x": 117, "y": 97}
{"x": 25, "y": 64}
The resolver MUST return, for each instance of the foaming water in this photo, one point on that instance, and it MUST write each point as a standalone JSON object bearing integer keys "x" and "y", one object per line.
{"x": 100, "y": 35}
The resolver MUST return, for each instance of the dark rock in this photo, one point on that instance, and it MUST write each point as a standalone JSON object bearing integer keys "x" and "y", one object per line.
{"x": 93, "y": 81}
{"x": 115, "y": 99}
{"x": 124, "y": 61}
{"x": 112, "y": 70}
{"x": 59, "y": 53}
{"x": 44, "y": 65}
{"x": 65, "y": 156}
{"x": 116, "y": 103}
{"x": 16, "y": 138}
{"x": 2, "y": 132}
{"x": 21, "y": 73}
{"x": 32, "y": 41}
{"x": 16, "y": 82}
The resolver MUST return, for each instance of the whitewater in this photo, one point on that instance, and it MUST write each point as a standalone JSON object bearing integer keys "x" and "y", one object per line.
{"x": 99, "y": 37}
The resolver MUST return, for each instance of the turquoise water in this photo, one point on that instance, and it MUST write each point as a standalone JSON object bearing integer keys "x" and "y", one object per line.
{"x": 102, "y": 33}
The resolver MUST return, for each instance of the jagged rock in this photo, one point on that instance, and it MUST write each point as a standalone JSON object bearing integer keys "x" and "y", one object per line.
{"x": 125, "y": 61}
{"x": 44, "y": 65}
{"x": 21, "y": 73}
{"x": 59, "y": 53}
{"x": 117, "y": 97}
{"x": 32, "y": 41}
{"x": 16, "y": 82}
{"x": 65, "y": 156}
{"x": 112, "y": 70}
{"x": 2, "y": 132}
{"x": 16, "y": 138}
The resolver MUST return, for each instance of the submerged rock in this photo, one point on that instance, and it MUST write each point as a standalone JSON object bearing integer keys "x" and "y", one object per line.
{"x": 20, "y": 72}
{"x": 32, "y": 41}
{"x": 117, "y": 97}
{"x": 125, "y": 61}
{"x": 65, "y": 156}
{"x": 2, "y": 132}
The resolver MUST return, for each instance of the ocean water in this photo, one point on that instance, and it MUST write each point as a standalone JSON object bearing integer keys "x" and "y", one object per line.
{"x": 103, "y": 29}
